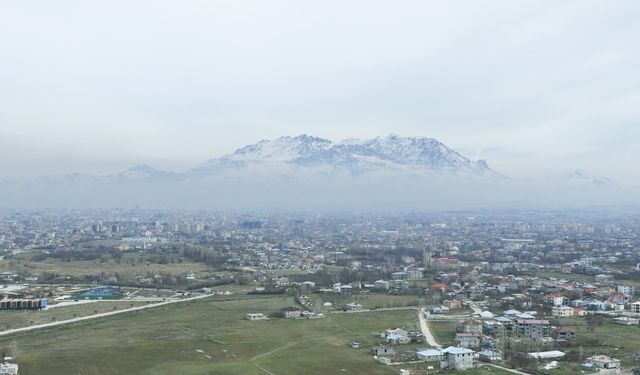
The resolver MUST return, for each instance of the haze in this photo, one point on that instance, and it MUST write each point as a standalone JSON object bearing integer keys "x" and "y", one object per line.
{"x": 535, "y": 88}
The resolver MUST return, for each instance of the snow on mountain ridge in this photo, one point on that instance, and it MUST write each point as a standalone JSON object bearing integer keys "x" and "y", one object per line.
{"x": 357, "y": 156}
{"x": 581, "y": 177}
{"x": 283, "y": 148}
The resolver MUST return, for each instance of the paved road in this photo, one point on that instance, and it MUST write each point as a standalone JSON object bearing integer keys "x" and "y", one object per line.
{"x": 426, "y": 332}
{"x": 508, "y": 369}
{"x": 369, "y": 310}
{"x": 97, "y": 316}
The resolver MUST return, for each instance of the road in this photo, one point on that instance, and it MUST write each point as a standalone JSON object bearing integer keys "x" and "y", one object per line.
{"x": 508, "y": 369}
{"x": 97, "y": 316}
{"x": 426, "y": 332}
{"x": 369, "y": 310}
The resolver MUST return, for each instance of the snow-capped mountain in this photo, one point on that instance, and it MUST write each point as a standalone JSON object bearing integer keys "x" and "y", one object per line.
{"x": 146, "y": 172}
{"x": 390, "y": 172}
{"x": 581, "y": 177}
{"x": 392, "y": 154}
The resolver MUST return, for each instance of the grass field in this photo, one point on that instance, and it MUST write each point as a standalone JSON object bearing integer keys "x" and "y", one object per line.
{"x": 374, "y": 300}
{"x": 443, "y": 331}
{"x": 17, "y": 319}
{"x": 207, "y": 337}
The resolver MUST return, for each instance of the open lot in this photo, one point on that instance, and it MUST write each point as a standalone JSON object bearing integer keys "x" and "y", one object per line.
{"x": 443, "y": 331}
{"x": 16, "y": 319}
{"x": 374, "y": 300}
{"x": 207, "y": 337}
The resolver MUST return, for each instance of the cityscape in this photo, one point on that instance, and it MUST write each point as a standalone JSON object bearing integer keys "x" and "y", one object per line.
{"x": 344, "y": 187}
{"x": 496, "y": 292}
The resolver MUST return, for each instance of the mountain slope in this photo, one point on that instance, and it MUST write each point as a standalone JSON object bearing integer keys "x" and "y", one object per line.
{"x": 391, "y": 154}
{"x": 393, "y": 172}
{"x": 580, "y": 177}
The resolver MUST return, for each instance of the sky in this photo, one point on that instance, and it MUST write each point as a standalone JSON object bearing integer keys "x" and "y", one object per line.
{"x": 534, "y": 87}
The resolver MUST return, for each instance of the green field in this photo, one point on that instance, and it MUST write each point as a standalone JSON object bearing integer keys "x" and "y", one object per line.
{"x": 207, "y": 337}
{"x": 374, "y": 300}
{"x": 443, "y": 331}
{"x": 16, "y": 319}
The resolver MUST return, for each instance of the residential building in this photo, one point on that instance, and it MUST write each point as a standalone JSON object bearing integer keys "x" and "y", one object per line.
{"x": 555, "y": 299}
{"x": 472, "y": 326}
{"x": 565, "y": 333}
{"x": 8, "y": 369}
{"x": 397, "y": 336}
{"x": 618, "y": 298}
{"x": 292, "y": 314}
{"x": 383, "y": 350}
{"x": 532, "y": 328}
{"x": 382, "y": 284}
{"x": 353, "y": 306}
{"x": 256, "y": 316}
{"x": 602, "y": 364}
{"x": 457, "y": 358}
{"x": 346, "y": 290}
{"x": 467, "y": 340}
{"x": 627, "y": 289}
{"x": 559, "y": 311}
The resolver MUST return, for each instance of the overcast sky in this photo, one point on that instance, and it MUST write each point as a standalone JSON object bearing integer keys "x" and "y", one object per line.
{"x": 535, "y": 88}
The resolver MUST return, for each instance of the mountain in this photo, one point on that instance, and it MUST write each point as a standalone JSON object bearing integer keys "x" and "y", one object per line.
{"x": 581, "y": 177}
{"x": 392, "y": 173}
{"x": 392, "y": 154}
{"x": 146, "y": 172}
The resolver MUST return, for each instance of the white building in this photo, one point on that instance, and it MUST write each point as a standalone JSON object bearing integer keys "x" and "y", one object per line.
{"x": 353, "y": 306}
{"x": 626, "y": 321}
{"x": 555, "y": 299}
{"x": 562, "y": 311}
{"x": 635, "y": 307}
{"x": 603, "y": 364}
{"x": 256, "y": 316}
{"x": 397, "y": 336}
{"x": 553, "y": 354}
{"x": 8, "y": 369}
{"x": 457, "y": 358}
{"x": 382, "y": 284}
{"x": 627, "y": 289}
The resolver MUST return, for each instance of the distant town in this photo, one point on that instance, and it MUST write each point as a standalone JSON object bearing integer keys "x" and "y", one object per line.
{"x": 495, "y": 292}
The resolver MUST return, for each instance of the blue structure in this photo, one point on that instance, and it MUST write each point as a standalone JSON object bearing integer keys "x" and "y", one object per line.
{"x": 101, "y": 292}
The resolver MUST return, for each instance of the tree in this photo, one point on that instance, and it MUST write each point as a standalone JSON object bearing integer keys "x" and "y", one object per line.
{"x": 594, "y": 320}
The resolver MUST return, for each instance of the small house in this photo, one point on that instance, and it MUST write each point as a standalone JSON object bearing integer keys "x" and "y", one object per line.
{"x": 383, "y": 350}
